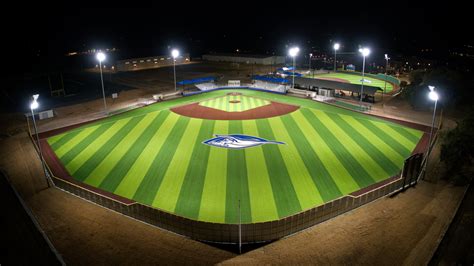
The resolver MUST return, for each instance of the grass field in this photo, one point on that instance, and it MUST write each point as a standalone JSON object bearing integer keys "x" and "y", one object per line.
{"x": 355, "y": 79}
{"x": 234, "y": 103}
{"x": 156, "y": 157}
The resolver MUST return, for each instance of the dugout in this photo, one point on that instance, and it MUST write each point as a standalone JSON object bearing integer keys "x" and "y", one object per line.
{"x": 191, "y": 84}
{"x": 333, "y": 88}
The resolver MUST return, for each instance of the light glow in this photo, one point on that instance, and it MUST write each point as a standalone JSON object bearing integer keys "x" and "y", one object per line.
{"x": 294, "y": 51}
{"x": 336, "y": 46}
{"x": 35, "y": 103}
{"x": 364, "y": 51}
{"x": 175, "y": 53}
{"x": 100, "y": 56}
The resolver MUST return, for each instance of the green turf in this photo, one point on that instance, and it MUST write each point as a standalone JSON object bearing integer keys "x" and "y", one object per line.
{"x": 241, "y": 103}
{"x": 156, "y": 157}
{"x": 355, "y": 79}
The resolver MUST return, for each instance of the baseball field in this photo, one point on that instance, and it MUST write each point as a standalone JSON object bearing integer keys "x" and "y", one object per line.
{"x": 354, "y": 79}
{"x": 159, "y": 156}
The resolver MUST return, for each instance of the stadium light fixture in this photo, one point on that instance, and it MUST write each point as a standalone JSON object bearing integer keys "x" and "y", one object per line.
{"x": 101, "y": 57}
{"x": 336, "y": 47}
{"x": 34, "y": 105}
{"x": 175, "y": 53}
{"x": 293, "y": 53}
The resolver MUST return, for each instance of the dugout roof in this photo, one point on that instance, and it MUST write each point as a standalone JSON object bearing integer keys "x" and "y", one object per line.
{"x": 196, "y": 81}
{"x": 270, "y": 79}
{"x": 334, "y": 85}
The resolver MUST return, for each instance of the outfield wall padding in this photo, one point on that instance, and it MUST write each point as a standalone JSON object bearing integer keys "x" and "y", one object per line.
{"x": 229, "y": 233}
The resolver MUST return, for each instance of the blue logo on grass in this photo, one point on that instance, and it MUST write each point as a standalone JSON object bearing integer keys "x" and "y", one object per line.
{"x": 238, "y": 141}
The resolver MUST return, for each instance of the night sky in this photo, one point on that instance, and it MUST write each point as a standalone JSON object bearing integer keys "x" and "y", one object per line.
{"x": 52, "y": 31}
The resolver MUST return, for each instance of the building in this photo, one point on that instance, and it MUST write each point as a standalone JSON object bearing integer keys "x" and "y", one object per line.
{"x": 149, "y": 62}
{"x": 245, "y": 58}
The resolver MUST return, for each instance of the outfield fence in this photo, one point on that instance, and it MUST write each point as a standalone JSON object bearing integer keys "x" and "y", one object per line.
{"x": 229, "y": 233}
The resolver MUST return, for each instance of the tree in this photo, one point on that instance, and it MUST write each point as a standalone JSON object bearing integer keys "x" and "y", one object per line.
{"x": 457, "y": 150}
{"x": 453, "y": 87}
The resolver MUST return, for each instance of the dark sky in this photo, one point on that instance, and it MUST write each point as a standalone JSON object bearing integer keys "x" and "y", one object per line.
{"x": 252, "y": 27}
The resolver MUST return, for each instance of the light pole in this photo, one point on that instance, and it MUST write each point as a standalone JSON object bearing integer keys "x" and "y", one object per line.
{"x": 293, "y": 53}
{"x": 385, "y": 85}
{"x": 33, "y": 106}
{"x": 365, "y": 52}
{"x": 310, "y": 55}
{"x": 336, "y": 47}
{"x": 101, "y": 57}
{"x": 174, "y": 54}
{"x": 433, "y": 95}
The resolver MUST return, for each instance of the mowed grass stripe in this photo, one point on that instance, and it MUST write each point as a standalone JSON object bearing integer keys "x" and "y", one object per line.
{"x": 56, "y": 138}
{"x": 221, "y": 103}
{"x": 227, "y": 107}
{"x": 246, "y": 104}
{"x": 104, "y": 149}
{"x": 410, "y": 135}
{"x": 84, "y": 143}
{"x": 237, "y": 183}
{"x": 148, "y": 160}
{"x": 95, "y": 145}
{"x": 74, "y": 141}
{"x": 305, "y": 188}
{"x": 387, "y": 138}
{"x": 348, "y": 157}
{"x": 375, "y": 148}
{"x": 338, "y": 172}
{"x": 147, "y": 189}
{"x": 262, "y": 200}
{"x": 415, "y": 132}
{"x": 250, "y": 102}
{"x": 189, "y": 200}
{"x": 64, "y": 138}
{"x": 166, "y": 196}
{"x": 212, "y": 207}
{"x": 283, "y": 191}
{"x": 320, "y": 175}
{"x": 116, "y": 175}
{"x": 395, "y": 133}
{"x": 99, "y": 173}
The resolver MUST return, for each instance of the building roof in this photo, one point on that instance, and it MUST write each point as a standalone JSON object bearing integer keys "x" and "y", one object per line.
{"x": 335, "y": 85}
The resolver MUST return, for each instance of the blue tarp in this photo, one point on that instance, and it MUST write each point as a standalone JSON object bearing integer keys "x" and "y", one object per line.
{"x": 270, "y": 79}
{"x": 195, "y": 81}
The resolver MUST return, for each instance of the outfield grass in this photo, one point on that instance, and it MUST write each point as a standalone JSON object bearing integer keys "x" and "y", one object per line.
{"x": 157, "y": 158}
{"x": 355, "y": 79}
